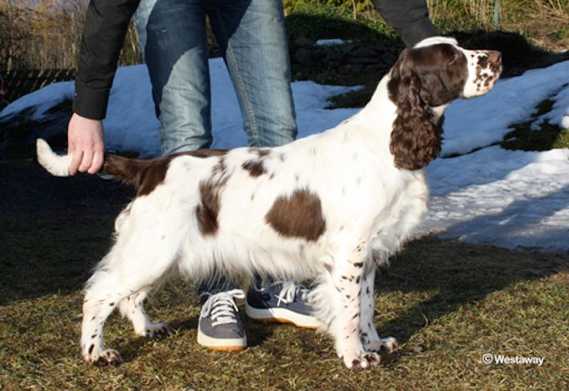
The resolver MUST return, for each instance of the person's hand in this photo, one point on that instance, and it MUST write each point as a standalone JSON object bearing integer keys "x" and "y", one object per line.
{"x": 86, "y": 146}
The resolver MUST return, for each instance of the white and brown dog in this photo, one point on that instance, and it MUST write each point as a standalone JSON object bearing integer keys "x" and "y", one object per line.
{"x": 328, "y": 207}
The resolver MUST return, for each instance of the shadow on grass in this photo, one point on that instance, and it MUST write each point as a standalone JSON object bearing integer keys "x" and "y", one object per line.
{"x": 53, "y": 230}
{"x": 460, "y": 274}
{"x": 457, "y": 275}
{"x": 130, "y": 349}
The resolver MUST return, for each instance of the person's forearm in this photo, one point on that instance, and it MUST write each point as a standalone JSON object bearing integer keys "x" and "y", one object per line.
{"x": 103, "y": 37}
{"x": 410, "y": 18}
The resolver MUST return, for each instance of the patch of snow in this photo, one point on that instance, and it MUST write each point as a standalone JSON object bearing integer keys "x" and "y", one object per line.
{"x": 479, "y": 122}
{"x": 330, "y": 42}
{"x": 507, "y": 198}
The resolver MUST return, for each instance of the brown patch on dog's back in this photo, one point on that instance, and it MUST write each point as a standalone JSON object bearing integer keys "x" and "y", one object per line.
{"x": 298, "y": 215}
{"x": 145, "y": 175}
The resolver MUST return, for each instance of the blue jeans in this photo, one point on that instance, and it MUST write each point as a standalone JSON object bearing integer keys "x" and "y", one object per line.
{"x": 252, "y": 36}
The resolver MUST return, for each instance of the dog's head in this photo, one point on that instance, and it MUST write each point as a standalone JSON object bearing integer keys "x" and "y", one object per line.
{"x": 429, "y": 76}
{"x": 442, "y": 71}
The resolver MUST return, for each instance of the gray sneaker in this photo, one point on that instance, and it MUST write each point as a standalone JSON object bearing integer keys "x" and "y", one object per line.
{"x": 283, "y": 302}
{"x": 220, "y": 326}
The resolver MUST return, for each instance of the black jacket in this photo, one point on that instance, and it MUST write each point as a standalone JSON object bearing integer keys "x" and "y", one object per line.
{"x": 107, "y": 23}
{"x": 103, "y": 38}
{"x": 410, "y": 18}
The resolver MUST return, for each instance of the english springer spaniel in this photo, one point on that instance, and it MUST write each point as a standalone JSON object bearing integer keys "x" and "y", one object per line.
{"x": 328, "y": 207}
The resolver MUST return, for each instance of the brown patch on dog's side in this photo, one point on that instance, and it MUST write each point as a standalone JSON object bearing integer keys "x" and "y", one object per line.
{"x": 255, "y": 167}
{"x": 298, "y": 215}
{"x": 210, "y": 190}
{"x": 208, "y": 209}
{"x": 145, "y": 175}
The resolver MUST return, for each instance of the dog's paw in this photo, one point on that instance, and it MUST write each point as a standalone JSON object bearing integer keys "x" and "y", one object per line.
{"x": 362, "y": 360}
{"x": 388, "y": 345}
{"x": 109, "y": 357}
{"x": 104, "y": 357}
{"x": 157, "y": 330}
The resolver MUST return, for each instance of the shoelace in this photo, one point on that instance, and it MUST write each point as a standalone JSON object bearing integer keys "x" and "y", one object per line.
{"x": 221, "y": 306}
{"x": 290, "y": 291}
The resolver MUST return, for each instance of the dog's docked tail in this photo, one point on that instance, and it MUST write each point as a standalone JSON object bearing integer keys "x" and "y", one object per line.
{"x": 144, "y": 175}
{"x": 54, "y": 164}
{"x": 130, "y": 171}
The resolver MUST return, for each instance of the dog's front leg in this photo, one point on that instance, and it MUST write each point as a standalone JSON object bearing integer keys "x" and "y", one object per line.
{"x": 370, "y": 338}
{"x": 347, "y": 278}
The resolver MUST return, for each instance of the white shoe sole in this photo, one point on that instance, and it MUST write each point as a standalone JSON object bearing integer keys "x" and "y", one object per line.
{"x": 222, "y": 344}
{"x": 282, "y": 315}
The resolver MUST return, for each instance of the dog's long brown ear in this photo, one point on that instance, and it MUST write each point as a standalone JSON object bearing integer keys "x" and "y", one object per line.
{"x": 416, "y": 137}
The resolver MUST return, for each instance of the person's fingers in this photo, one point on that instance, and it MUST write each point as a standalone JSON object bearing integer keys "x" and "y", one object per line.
{"x": 97, "y": 162}
{"x": 85, "y": 140}
{"x": 86, "y": 160}
{"x": 76, "y": 156}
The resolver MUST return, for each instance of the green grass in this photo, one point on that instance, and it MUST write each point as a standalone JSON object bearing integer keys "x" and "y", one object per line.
{"x": 447, "y": 302}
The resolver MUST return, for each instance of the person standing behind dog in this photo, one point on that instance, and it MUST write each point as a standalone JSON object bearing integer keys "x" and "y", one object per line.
{"x": 103, "y": 37}
{"x": 173, "y": 38}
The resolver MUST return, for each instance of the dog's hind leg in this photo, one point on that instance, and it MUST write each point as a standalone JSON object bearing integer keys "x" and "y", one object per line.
{"x": 135, "y": 263}
{"x": 132, "y": 308}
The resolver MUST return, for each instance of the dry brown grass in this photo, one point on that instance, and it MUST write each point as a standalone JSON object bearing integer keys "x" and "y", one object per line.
{"x": 47, "y": 37}
{"x": 545, "y": 22}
